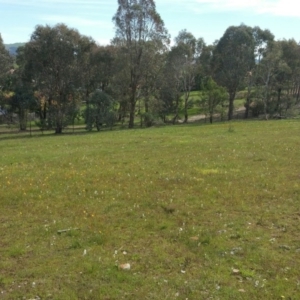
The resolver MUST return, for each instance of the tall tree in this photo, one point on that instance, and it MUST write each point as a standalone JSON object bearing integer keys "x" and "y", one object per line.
{"x": 233, "y": 58}
{"x": 186, "y": 53}
{"x": 291, "y": 55}
{"x": 53, "y": 61}
{"x": 99, "y": 111}
{"x": 21, "y": 99}
{"x": 262, "y": 38}
{"x": 171, "y": 85}
{"x": 5, "y": 66}
{"x": 213, "y": 95}
{"x": 96, "y": 72}
{"x": 5, "y": 60}
{"x": 137, "y": 24}
{"x": 271, "y": 71}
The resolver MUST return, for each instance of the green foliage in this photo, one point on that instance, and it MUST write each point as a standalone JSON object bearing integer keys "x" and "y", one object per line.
{"x": 213, "y": 98}
{"x": 140, "y": 36}
{"x": 6, "y": 62}
{"x": 233, "y": 57}
{"x": 53, "y": 62}
{"x": 99, "y": 111}
{"x": 148, "y": 119}
{"x": 22, "y": 102}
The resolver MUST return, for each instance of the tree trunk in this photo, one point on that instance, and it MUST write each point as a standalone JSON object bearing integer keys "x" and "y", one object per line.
{"x": 298, "y": 94}
{"x": 230, "y": 108}
{"x": 278, "y": 109}
{"x": 58, "y": 130}
{"x": 87, "y": 102}
{"x": 22, "y": 119}
{"x": 146, "y": 105}
{"x": 185, "y": 117}
{"x": 185, "y": 110}
{"x": 131, "y": 114}
{"x": 176, "y": 111}
{"x": 59, "y": 124}
{"x": 247, "y": 106}
{"x": 211, "y": 118}
{"x": 265, "y": 110}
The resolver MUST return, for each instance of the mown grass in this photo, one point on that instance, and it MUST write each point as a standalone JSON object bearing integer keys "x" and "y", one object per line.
{"x": 200, "y": 212}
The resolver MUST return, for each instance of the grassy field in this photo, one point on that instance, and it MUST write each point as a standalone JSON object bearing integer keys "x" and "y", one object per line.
{"x": 199, "y": 212}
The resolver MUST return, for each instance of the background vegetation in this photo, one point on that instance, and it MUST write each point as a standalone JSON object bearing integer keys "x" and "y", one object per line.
{"x": 53, "y": 78}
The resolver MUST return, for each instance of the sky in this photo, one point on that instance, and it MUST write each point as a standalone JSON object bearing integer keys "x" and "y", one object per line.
{"x": 203, "y": 18}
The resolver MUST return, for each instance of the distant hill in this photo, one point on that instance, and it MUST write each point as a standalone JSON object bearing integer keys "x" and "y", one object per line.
{"x": 12, "y": 48}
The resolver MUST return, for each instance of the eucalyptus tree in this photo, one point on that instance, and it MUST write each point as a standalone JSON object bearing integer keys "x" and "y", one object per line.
{"x": 5, "y": 66}
{"x": 96, "y": 73}
{"x": 186, "y": 53}
{"x": 171, "y": 85}
{"x": 213, "y": 96}
{"x": 5, "y": 60}
{"x": 19, "y": 95}
{"x": 181, "y": 69}
{"x": 284, "y": 83}
{"x": 150, "y": 105}
{"x": 100, "y": 110}
{"x": 21, "y": 100}
{"x": 139, "y": 28}
{"x": 262, "y": 38}
{"x": 53, "y": 62}
{"x": 205, "y": 60}
{"x": 270, "y": 69}
{"x": 233, "y": 58}
{"x": 291, "y": 55}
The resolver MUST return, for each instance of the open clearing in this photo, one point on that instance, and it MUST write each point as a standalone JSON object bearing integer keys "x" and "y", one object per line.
{"x": 199, "y": 212}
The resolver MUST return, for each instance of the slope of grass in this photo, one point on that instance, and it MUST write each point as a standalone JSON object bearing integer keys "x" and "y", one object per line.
{"x": 199, "y": 212}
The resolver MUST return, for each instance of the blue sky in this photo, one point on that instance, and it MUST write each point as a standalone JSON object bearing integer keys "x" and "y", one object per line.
{"x": 204, "y": 18}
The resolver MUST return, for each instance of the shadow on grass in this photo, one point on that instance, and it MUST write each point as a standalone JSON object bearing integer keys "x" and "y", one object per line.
{"x": 47, "y": 133}
{"x": 81, "y": 131}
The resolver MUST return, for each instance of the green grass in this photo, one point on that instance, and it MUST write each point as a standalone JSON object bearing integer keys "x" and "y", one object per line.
{"x": 200, "y": 212}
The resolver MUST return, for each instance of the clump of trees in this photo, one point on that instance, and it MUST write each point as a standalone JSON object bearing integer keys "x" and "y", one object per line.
{"x": 140, "y": 76}
{"x": 6, "y": 64}
{"x": 99, "y": 111}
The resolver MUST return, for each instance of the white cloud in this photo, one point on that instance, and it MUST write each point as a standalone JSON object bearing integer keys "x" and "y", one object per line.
{"x": 280, "y": 8}
{"x": 270, "y": 7}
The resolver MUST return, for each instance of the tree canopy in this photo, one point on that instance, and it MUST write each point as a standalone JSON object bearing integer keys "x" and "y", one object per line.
{"x": 145, "y": 76}
{"x": 139, "y": 31}
{"x": 53, "y": 61}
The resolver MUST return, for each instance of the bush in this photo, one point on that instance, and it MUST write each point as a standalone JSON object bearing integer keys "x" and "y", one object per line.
{"x": 148, "y": 119}
{"x": 99, "y": 111}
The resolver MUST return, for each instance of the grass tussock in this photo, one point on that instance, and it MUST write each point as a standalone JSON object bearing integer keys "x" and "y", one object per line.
{"x": 199, "y": 212}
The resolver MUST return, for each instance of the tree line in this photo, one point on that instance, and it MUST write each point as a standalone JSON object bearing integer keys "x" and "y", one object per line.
{"x": 140, "y": 74}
